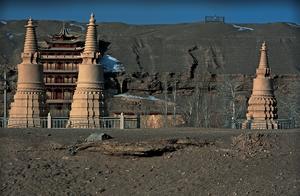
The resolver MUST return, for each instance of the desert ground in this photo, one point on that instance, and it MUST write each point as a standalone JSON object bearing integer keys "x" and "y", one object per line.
{"x": 177, "y": 161}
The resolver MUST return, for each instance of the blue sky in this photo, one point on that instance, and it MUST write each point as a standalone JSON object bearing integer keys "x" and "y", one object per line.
{"x": 152, "y": 11}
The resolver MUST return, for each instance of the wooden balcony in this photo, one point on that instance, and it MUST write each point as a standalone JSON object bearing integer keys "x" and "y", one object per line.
{"x": 60, "y": 70}
{"x": 55, "y": 101}
{"x": 60, "y": 84}
{"x": 60, "y": 57}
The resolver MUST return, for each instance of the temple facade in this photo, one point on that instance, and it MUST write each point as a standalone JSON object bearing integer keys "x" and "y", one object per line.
{"x": 262, "y": 105}
{"x": 60, "y": 56}
{"x": 28, "y": 106}
{"x": 88, "y": 100}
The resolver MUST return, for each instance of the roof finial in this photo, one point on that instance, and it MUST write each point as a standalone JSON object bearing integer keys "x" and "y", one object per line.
{"x": 29, "y": 22}
{"x": 64, "y": 31}
{"x": 92, "y": 19}
{"x": 264, "y": 46}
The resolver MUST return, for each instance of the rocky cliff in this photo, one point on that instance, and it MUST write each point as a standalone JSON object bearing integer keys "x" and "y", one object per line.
{"x": 229, "y": 48}
{"x": 209, "y": 67}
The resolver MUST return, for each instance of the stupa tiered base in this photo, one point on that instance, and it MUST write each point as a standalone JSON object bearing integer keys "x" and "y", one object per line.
{"x": 27, "y": 109}
{"x": 87, "y": 109}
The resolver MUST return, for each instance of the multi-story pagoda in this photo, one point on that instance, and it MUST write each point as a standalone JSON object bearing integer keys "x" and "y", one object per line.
{"x": 60, "y": 56}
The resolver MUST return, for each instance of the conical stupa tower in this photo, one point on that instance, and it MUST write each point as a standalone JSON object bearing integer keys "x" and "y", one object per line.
{"x": 29, "y": 101}
{"x": 262, "y": 110}
{"x": 88, "y": 100}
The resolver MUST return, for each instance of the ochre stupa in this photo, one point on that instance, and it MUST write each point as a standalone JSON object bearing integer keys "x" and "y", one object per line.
{"x": 262, "y": 110}
{"x": 88, "y": 101}
{"x": 29, "y": 101}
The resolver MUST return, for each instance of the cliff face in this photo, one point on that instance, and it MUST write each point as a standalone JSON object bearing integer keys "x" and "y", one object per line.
{"x": 226, "y": 48}
{"x": 219, "y": 47}
{"x": 212, "y": 65}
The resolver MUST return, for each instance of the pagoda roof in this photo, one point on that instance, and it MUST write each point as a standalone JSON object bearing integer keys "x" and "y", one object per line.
{"x": 43, "y": 44}
{"x": 65, "y": 41}
{"x": 64, "y": 35}
{"x": 63, "y": 49}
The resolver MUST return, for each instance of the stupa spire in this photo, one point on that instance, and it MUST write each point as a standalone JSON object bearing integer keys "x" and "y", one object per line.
{"x": 91, "y": 36}
{"x": 263, "y": 62}
{"x": 30, "y": 45}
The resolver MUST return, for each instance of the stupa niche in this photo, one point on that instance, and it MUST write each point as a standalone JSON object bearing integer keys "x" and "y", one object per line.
{"x": 88, "y": 100}
{"x": 29, "y": 101}
{"x": 262, "y": 109}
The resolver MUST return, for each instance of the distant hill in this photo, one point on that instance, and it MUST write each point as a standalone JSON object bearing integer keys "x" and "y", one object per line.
{"x": 225, "y": 48}
{"x": 190, "y": 49}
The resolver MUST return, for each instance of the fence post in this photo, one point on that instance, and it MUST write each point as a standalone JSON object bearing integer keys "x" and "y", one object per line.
{"x": 233, "y": 123}
{"x": 5, "y": 100}
{"x": 138, "y": 121}
{"x": 49, "y": 121}
{"x": 122, "y": 121}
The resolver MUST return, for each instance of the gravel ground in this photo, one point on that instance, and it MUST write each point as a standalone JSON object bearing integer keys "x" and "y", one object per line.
{"x": 232, "y": 162}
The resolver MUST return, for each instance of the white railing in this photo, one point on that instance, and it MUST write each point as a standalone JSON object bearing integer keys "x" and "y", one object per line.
{"x": 63, "y": 122}
{"x": 104, "y": 122}
{"x": 278, "y": 124}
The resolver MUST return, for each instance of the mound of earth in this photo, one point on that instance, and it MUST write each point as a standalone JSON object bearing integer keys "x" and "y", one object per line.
{"x": 252, "y": 143}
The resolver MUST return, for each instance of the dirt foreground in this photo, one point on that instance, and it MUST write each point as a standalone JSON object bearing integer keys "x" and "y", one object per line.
{"x": 181, "y": 161}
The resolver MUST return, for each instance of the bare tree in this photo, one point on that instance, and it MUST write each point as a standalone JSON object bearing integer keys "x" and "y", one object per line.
{"x": 197, "y": 108}
{"x": 3, "y": 69}
{"x": 229, "y": 89}
{"x": 174, "y": 89}
{"x": 288, "y": 98}
{"x": 186, "y": 109}
{"x": 165, "y": 91}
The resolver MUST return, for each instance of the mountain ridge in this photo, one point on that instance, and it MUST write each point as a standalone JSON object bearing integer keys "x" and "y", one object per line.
{"x": 221, "y": 48}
